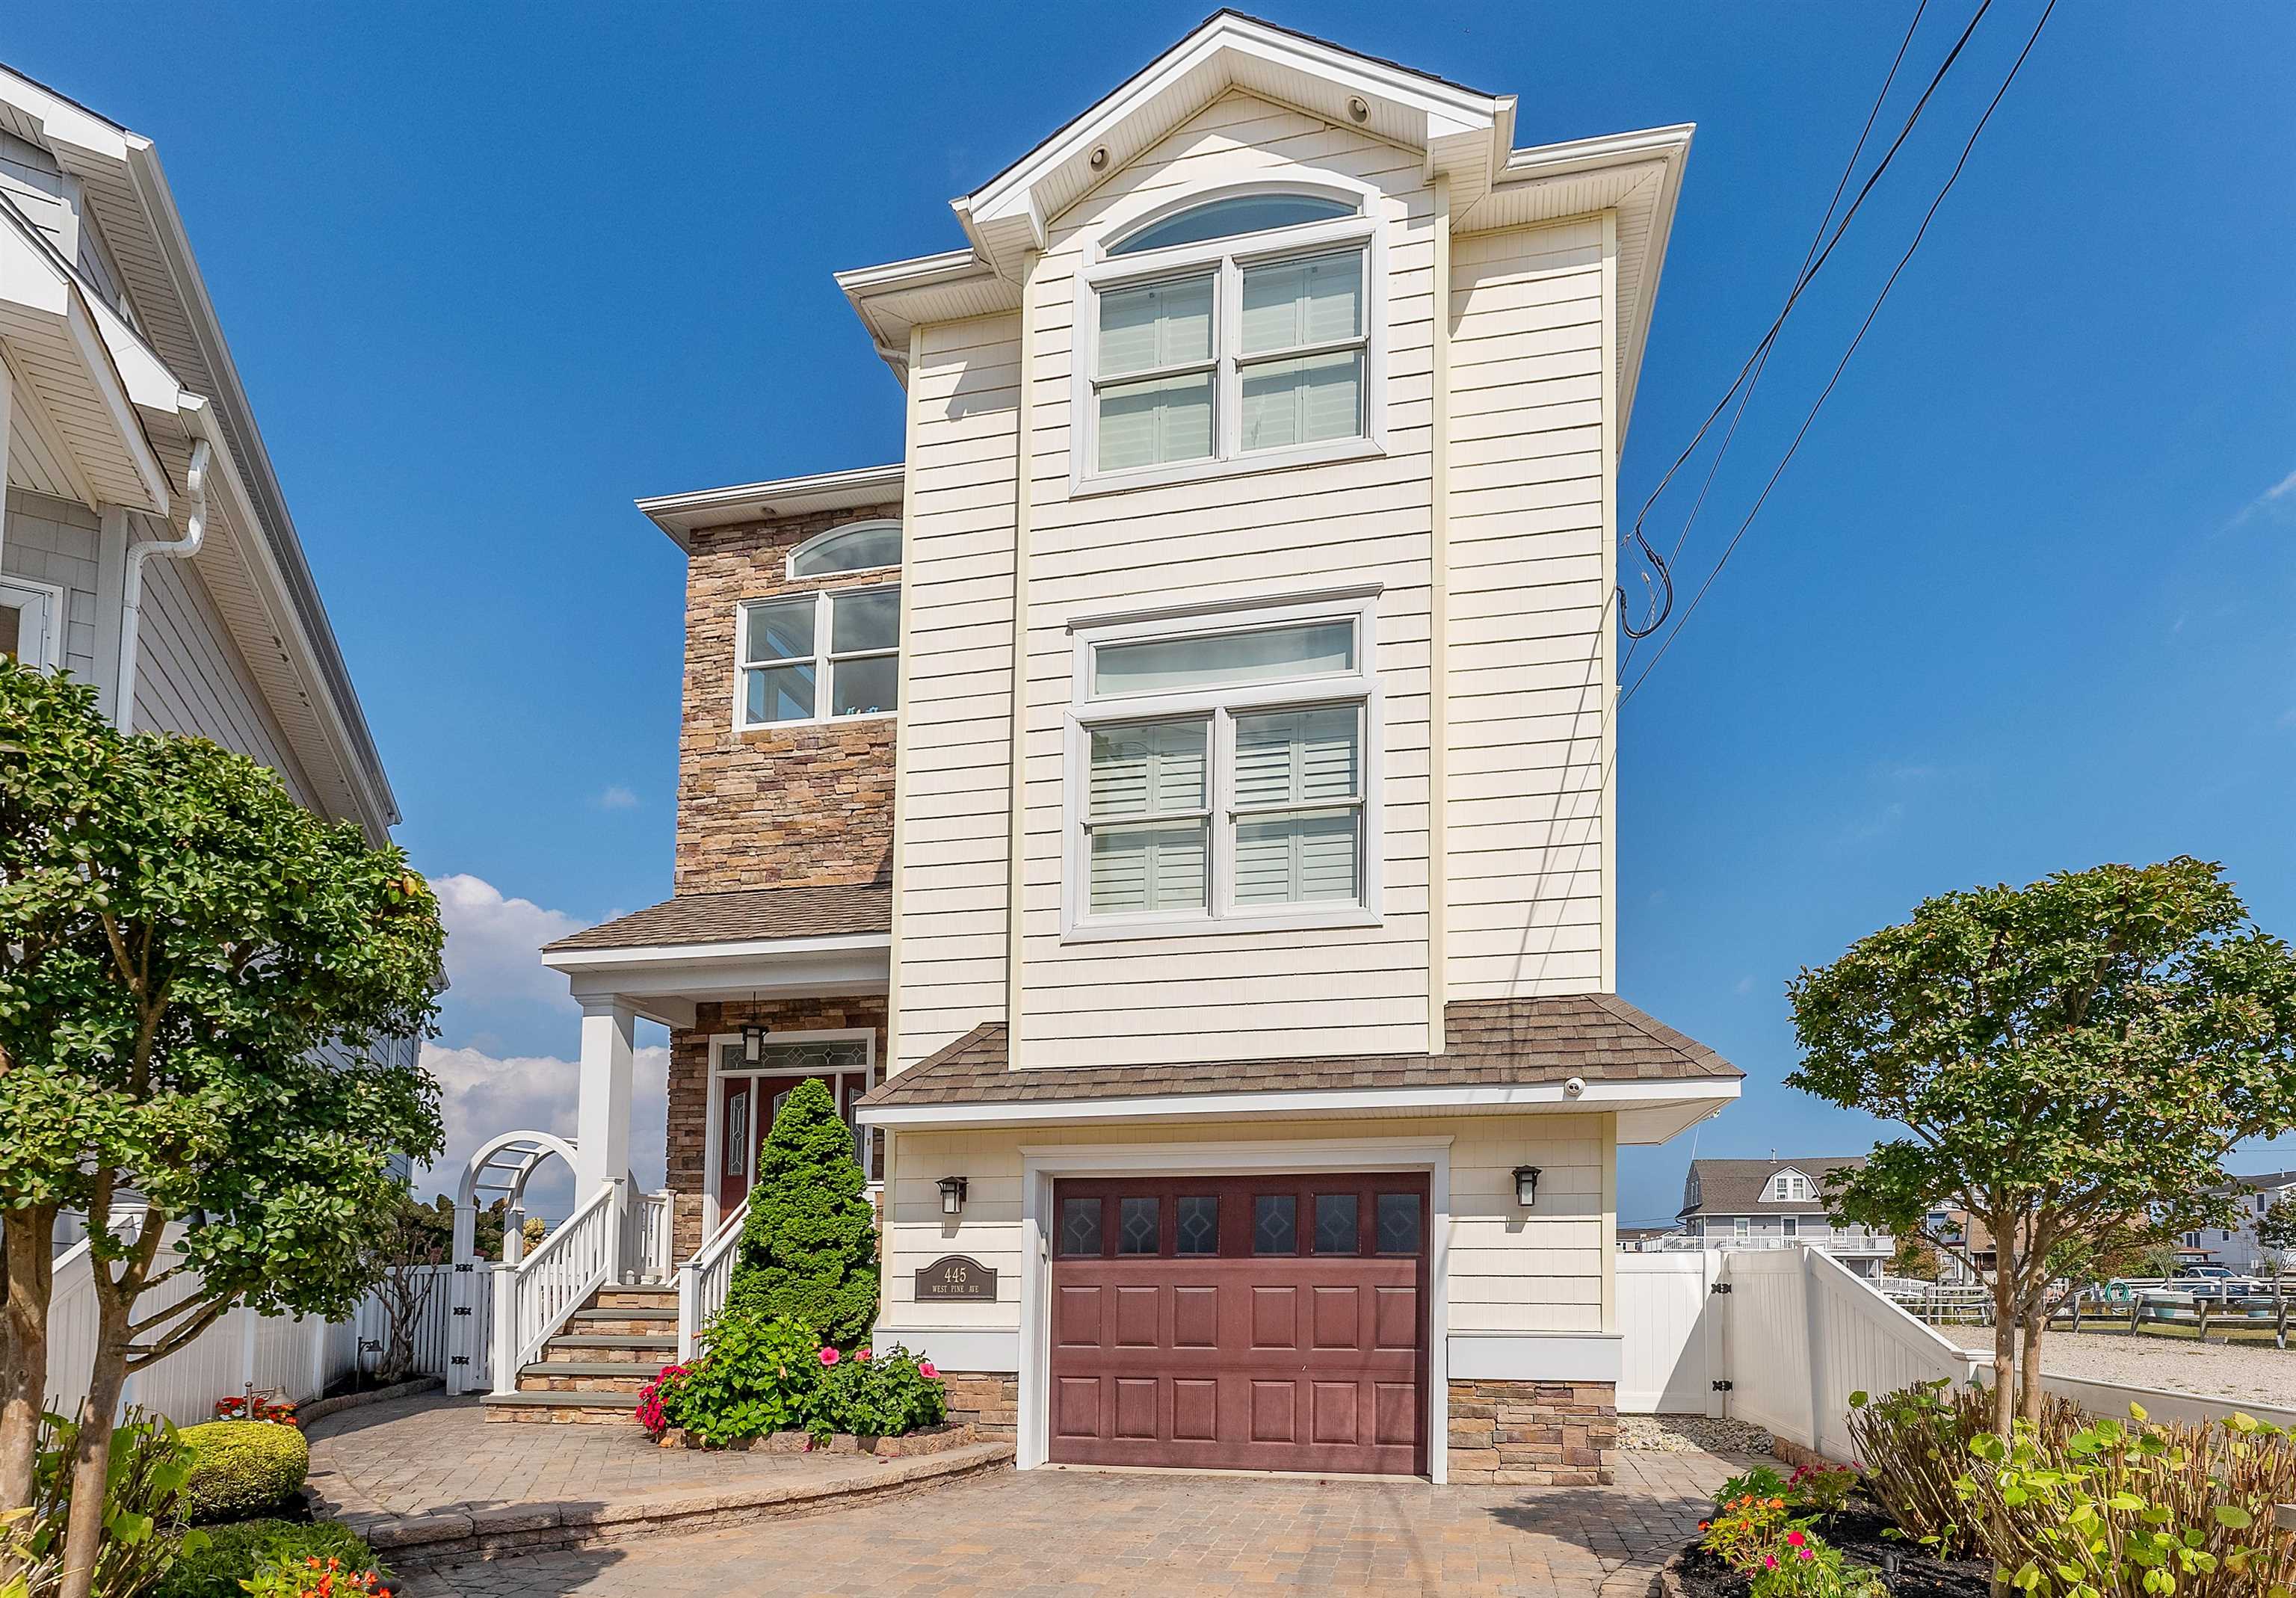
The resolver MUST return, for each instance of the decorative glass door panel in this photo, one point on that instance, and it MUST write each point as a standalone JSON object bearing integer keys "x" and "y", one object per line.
{"x": 752, "y": 1092}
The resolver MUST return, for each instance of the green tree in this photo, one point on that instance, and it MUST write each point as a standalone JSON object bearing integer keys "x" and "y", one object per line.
{"x": 808, "y": 1245}
{"x": 202, "y": 986}
{"x": 2276, "y": 1233}
{"x": 2072, "y": 1061}
{"x": 1915, "y": 1258}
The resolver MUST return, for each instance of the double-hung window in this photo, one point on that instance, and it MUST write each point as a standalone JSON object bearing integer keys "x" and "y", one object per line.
{"x": 818, "y": 657}
{"x": 1239, "y": 331}
{"x": 1224, "y": 774}
{"x": 32, "y": 623}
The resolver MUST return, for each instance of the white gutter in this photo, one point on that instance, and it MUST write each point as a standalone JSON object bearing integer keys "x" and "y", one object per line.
{"x": 195, "y": 529}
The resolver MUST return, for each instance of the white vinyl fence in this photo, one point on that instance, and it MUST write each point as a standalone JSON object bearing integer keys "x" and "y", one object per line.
{"x": 297, "y": 1356}
{"x": 1792, "y": 1333}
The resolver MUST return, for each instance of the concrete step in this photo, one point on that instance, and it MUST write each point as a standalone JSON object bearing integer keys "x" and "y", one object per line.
{"x": 568, "y": 1408}
{"x": 623, "y": 1370}
{"x": 603, "y": 1344}
{"x": 633, "y": 1322}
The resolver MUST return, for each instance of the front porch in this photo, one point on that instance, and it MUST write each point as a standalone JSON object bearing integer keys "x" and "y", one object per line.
{"x": 761, "y": 990}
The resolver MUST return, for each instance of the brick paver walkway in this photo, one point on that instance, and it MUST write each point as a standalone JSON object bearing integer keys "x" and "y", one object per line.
{"x": 434, "y": 1455}
{"x": 1063, "y": 1532}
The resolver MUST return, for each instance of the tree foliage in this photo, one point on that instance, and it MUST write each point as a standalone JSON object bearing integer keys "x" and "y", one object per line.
{"x": 809, "y": 1246}
{"x": 205, "y": 991}
{"x": 2276, "y": 1231}
{"x": 2071, "y": 1060}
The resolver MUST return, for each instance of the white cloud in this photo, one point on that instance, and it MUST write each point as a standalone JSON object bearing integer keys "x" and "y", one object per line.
{"x": 494, "y": 961}
{"x": 2281, "y": 494}
{"x": 484, "y": 1095}
{"x": 617, "y": 798}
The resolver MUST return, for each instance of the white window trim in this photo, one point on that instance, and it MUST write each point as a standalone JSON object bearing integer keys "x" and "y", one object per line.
{"x": 41, "y": 605}
{"x": 1228, "y": 256}
{"x": 1084, "y": 712}
{"x": 713, "y": 1132}
{"x": 824, "y": 665}
{"x": 789, "y": 572}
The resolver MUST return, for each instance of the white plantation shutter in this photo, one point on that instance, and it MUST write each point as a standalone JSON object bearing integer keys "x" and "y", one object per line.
{"x": 1303, "y": 401}
{"x": 1145, "y": 330}
{"x": 1310, "y": 763}
{"x": 1160, "y": 324}
{"x": 1147, "y": 818}
{"x": 1316, "y": 301}
{"x": 1308, "y": 399}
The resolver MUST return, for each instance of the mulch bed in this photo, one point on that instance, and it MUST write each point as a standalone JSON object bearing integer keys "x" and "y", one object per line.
{"x": 1857, "y": 1531}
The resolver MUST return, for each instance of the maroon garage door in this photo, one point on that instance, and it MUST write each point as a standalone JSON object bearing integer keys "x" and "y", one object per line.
{"x": 1274, "y": 1324}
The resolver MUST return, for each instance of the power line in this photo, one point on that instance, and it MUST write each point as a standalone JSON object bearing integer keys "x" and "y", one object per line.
{"x": 1920, "y": 234}
{"x": 1809, "y": 273}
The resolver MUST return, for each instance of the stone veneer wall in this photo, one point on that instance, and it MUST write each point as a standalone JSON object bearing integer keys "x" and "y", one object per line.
{"x": 990, "y": 1403}
{"x": 689, "y": 1082}
{"x": 775, "y": 808}
{"x": 1533, "y": 1433}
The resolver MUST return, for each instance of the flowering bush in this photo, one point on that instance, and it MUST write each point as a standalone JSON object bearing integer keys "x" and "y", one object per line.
{"x": 311, "y": 1577}
{"x": 1822, "y": 1489}
{"x": 255, "y": 1407}
{"x": 659, "y": 1398}
{"x": 1781, "y": 1557}
{"x": 756, "y": 1377}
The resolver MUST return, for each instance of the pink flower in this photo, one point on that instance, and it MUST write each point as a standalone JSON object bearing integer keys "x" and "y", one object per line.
{"x": 925, "y": 1369}
{"x": 829, "y": 1356}
{"x": 861, "y": 1354}
{"x": 1794, "y": 1539}
{"x": 1770, "y": 1561}
{"x": 1809, "y": 1553}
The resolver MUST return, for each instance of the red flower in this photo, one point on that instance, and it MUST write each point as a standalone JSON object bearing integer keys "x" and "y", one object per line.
{"x": 925, "y": 1369}
{"x": 1794, "y": 1539}
{"x": 829, "y": 1356}
{"x": 862, "y": 1353}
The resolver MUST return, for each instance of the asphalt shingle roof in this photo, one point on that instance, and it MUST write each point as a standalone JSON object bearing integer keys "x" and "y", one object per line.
{"x": 751, "y": 913}
{"x": 1493, "y": 1042}
{"x": 1735, "y": 1186}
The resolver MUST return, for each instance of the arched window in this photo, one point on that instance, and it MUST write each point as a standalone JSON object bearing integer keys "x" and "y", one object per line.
{"x": 1236, "y": 214}
{"x": 856, "y": 546}
{"x": 1250, "y": 331}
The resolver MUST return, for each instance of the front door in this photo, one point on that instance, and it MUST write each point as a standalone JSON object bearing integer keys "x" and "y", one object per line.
{"x": 747, "y": 1103}
{"x": 1272, "y": 1324}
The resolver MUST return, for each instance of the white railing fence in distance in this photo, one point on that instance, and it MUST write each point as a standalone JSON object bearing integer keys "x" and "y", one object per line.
{"x": 702, "y": 1280}
{"x": 297, "y": 1356}
{"x": 1673, "y": 1322}
{"x": 533, "y": 1298}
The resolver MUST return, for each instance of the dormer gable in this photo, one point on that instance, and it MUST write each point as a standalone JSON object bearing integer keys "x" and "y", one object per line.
{"x": 1790, "y": 1186}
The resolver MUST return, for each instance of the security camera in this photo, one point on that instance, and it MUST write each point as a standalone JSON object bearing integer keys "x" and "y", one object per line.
{"x": 1574, "y": 1087}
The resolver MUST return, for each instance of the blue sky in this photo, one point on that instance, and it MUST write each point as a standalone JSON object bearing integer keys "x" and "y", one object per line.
{"x": 2023, "y": 602}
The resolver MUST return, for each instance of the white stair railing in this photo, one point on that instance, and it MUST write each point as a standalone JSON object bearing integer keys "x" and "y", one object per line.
{"x": 534, "y": 1297}
{"x": 647, "y": 1251}
{"x": 702, "y": 1280}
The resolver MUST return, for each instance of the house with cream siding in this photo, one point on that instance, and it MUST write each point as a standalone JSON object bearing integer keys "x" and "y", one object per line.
{"x": 1175, "y": 805}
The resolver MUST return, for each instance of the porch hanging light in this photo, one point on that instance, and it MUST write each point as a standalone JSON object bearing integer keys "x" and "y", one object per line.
{"x": 952, "y": 1194}
{"x": 753, "y": 1043}
{"x": 1526, "y": 1185}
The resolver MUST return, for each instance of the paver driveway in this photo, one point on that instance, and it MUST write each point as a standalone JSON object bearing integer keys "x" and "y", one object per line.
{"x": 1087, "y": 1532}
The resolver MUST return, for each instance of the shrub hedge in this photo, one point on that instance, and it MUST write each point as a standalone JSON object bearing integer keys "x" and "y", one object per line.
{"x": 235, "y": 1552}
{"x": 241, "y": 1468}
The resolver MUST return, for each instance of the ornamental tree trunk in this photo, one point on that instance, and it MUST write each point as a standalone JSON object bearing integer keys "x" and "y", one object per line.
{"x": 29, "y": 1233}
{"x": 91, "y": 1459}
{"x": 2028, "y": 1371}
{"x": 2004, "y": 1330}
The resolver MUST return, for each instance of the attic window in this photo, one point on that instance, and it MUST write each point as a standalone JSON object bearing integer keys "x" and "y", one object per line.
{"x": 1789, "y": 1187}
{"x": 1236, "y": 214}
{"x": 858, "y": 546}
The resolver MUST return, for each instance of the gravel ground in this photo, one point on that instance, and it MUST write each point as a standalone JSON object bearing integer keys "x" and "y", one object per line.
{"x": 2245, "y": 1373}
{"x": 1690, "y": 1434}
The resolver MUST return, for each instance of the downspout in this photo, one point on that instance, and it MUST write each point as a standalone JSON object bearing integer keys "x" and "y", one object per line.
{"x": 131, "y": 607}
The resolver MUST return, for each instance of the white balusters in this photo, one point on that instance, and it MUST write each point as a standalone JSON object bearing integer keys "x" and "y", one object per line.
{"x": 534, "y": 1297}
{"x": 702, "y": 1280}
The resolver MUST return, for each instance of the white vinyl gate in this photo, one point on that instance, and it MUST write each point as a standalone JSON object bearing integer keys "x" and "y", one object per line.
{"x": 1672, "y": 1349}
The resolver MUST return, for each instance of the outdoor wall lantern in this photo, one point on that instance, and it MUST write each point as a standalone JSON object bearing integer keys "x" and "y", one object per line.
{"x": 1526, "y": 1185}
{"x": 753, "y": 1043}
{"x": 952, "y": 1194}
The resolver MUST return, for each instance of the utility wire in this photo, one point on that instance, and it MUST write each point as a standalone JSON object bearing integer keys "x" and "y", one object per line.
{"x": 1809, "y": 274}
{"x": 1879, "y": 300}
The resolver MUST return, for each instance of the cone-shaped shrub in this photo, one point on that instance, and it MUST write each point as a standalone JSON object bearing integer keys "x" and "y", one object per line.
{"x": 809, "y": 1242}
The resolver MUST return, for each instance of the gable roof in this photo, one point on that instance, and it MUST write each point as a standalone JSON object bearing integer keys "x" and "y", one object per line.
{"x": 185, "y": 382}
{"x": 1737, "y": 1186}
{"x": 1467, "y": 135}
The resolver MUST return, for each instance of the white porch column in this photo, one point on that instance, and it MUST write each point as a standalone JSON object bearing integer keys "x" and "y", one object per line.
{"x": 602, "y": 1124}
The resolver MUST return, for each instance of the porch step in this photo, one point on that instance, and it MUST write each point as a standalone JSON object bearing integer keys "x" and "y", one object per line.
{"x": 616, "y": 1339}
{"x": 635, "y": 1373}
{"x": 648, "y": 1296}
{"x": 575, "y": 1408}
{"x": 617, "y": 1380}
{"x": 628, "y": 1321}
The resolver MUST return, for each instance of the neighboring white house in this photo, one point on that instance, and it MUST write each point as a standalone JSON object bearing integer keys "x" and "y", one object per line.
{"x": 1183, "y": 788}
{"x": 1773, "y": 1203}
{"x": 2238, "y": 1247}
